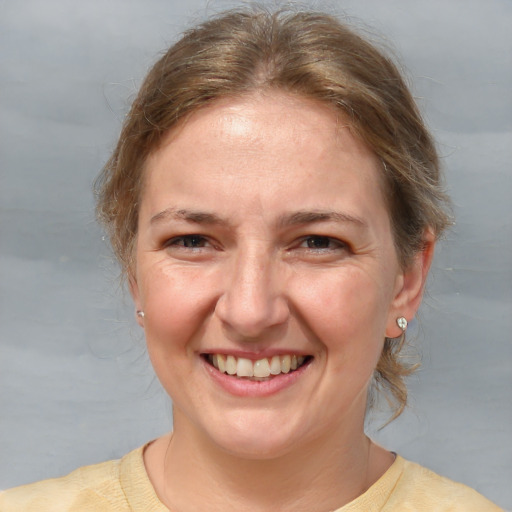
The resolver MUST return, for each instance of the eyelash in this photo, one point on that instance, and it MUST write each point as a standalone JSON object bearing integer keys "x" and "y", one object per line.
{"x": 175, "y": 242}
{"x": 196, "y": 242}
{"x": 333, "y": 242}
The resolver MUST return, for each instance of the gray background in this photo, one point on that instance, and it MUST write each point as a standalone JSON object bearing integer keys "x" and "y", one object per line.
{"x": 75, "y": 383}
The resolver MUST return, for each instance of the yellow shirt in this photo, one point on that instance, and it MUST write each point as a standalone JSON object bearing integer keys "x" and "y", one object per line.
{"x": 123, "y": 486}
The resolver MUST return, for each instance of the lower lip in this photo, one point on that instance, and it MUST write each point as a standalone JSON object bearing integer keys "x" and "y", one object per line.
{"x": 254, "y": 388}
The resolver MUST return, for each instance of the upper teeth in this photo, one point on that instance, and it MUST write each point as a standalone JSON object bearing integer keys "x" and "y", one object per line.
{"x": 242, "y": 367}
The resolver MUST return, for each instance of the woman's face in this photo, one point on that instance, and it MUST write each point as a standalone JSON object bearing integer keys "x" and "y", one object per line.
{"x": 264, "y": 243}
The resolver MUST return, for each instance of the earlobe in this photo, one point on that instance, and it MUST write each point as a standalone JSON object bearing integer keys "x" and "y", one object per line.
{"x": 134, "y": 292}
{"x": 410, "y": 287}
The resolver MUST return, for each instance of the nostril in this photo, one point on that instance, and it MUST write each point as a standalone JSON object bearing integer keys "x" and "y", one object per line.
{"x": 250, "y": 318}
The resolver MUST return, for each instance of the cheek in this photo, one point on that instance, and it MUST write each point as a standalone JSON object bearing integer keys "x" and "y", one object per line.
{"x": 176, "y": 304}
{"x": 346, "y": 310}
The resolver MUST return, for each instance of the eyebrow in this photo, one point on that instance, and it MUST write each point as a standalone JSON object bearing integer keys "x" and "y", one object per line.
{"x": 310, "y": 217}
{"x": 286, "y": 220}
{"x": 196, "y": 217}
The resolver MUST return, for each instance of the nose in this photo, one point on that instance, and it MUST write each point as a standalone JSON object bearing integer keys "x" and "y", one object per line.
{"x": 252, "y": 302}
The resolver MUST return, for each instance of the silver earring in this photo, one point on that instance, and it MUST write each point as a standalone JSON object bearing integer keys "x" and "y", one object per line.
{"x": 140, "y": 314}
{"x": 402, "y": 323}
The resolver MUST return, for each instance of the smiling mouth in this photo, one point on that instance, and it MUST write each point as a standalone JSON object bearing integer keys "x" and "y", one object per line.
{"x": 263, "y": 369}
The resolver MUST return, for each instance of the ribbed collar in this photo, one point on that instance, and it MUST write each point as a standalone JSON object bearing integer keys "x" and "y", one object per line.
{"x": 141, "y": 495}
{"x": 374, "y": 499}
{"x": 137, "y": 487}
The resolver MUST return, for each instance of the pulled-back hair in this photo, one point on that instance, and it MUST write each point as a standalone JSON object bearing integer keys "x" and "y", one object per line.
{"x": 305, "y": 53}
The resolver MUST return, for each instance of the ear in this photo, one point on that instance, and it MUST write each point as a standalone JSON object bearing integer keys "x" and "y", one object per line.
{"x": 410, "y": 284}
{"x": 134, "y": 292}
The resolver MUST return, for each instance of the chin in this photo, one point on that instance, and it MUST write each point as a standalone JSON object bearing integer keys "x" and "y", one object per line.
{"x": 256, "y": 448}
{"x": 257, "y": 439}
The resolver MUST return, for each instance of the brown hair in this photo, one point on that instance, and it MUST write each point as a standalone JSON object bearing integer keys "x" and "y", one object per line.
{"x": 305, "y": 53}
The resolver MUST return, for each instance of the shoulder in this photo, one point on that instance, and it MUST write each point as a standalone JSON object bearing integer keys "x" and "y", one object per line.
{"x": 90, "y": 488}
{"x": 419, "y": 488}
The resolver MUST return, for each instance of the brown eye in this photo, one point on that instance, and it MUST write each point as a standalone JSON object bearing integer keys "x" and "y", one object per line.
{"x": 189, "y": 241}
{"x": 324, "y": 243}
{"x": 318, "y": 242}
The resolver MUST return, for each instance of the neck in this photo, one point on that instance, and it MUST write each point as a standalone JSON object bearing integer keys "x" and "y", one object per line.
{"x": 189, "y": 473}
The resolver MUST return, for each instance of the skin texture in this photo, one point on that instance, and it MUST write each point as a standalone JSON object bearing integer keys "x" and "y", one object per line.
{"x": 293, "y": 253}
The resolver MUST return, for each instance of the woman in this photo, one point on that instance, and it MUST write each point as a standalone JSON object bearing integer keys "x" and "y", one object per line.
{"x": 274, "y": 200}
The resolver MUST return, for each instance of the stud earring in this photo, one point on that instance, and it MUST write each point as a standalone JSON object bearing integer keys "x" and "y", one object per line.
{"x": 402, "y": 323}
{"x": 140, "y": 314}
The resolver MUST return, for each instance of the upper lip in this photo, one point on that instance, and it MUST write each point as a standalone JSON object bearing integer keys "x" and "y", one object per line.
{"x": 256, "y": 355}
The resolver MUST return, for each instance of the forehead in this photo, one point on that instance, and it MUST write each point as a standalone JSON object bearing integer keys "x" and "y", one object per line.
{"x": 278, "y": 139}
{"x": 269, "y": 104}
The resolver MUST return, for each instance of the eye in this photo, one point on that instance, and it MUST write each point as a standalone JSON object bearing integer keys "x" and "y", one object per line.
{"x": 188, "y": 242}
{"x": 322, "y": 243}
